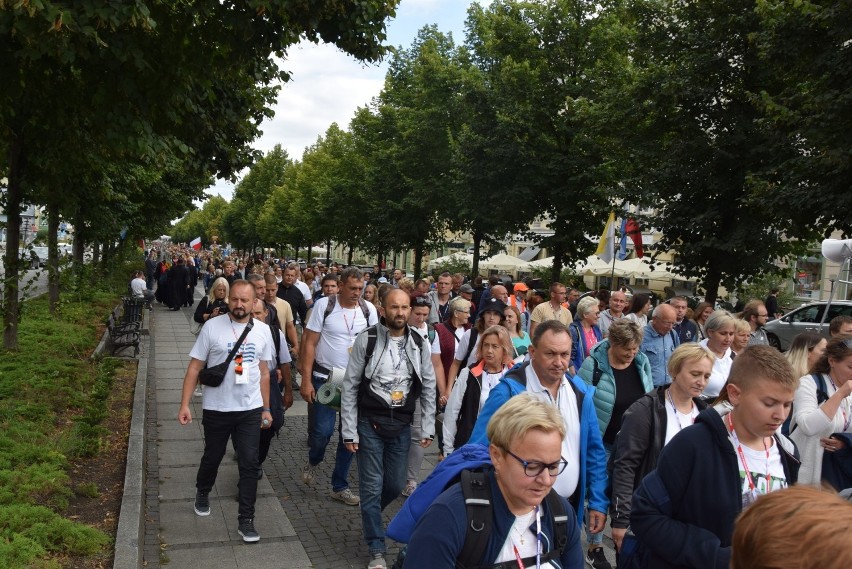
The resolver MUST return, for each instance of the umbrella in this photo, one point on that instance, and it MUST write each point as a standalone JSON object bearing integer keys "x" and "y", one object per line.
{"x": 459, "y": 256}
{"x": 501, "y": 262}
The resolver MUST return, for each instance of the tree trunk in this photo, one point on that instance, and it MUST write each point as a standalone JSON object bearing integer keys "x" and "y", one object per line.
{"x": 711, "y": 285}
{"x": 418, "y": 260}
{"x": 78, "y": 246}
{"x": 53, "y": 255}
{"x": 349, "y": 256}
{"x": 558, "y": 259}
{"x": 328, "y": 252}
{"x": 14, "y": 198}
{"x": 477, "y": 241}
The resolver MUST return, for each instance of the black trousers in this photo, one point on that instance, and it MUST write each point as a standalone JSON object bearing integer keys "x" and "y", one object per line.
{"x": 244, "y": 428}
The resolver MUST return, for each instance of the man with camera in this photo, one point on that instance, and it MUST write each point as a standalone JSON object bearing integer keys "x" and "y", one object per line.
{"x": 238, "y": 407}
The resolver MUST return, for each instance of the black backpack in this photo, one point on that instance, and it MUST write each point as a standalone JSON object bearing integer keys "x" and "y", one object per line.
{"x": 476, "y": 489}
{"x": 822, "y": 397}
{"x": 332, "y": 302}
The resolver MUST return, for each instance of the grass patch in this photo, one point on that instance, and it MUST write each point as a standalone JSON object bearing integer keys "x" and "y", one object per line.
{"x": 53, "y": 400}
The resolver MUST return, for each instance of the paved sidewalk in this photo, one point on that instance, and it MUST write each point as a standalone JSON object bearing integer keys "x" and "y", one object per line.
{"x": 300, "y": 526}
{"x": 175, "y": 536}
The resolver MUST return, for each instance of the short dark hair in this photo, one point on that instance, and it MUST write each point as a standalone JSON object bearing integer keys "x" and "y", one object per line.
{"x": 554, "y": 326}
{"x": 328, "y": 277}
{"x": 837, "y": 323}
{"x": 351, "y": 273}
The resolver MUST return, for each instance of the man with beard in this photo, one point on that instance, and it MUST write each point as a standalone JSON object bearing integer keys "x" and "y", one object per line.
{"x": 390, "y": 368}
{"x": 238, "y": 408}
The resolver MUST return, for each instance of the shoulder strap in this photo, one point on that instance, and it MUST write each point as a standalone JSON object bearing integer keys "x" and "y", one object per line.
{"x": 560, "y": 522}
{"x": 821, "y": 391}
{"x": 474, "y": 333}
{"x": 363, "y": 304}
{"x": 597, "y": 373}
{"x": 329, "y": 308}
{"x": 237, "y": 344}
{"x": 559, "y": 519}
{"x": 476, "y": 489}
{"x": 418, "y": 339}
{"x": 372, "y": 335}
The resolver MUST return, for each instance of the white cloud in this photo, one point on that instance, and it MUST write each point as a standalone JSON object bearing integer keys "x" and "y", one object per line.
{"x": 328, "y": 85}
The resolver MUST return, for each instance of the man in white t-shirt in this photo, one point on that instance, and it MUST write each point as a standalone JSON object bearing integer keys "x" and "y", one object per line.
{"x": 334, "y": 323}
{"x": 237, "y": 408}
{"x": 137, "y": 286}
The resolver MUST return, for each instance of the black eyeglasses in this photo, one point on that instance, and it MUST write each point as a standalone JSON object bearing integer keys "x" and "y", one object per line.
{"x": 534, "y": 468}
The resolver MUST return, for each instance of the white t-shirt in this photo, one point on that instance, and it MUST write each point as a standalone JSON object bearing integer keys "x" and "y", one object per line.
{"x": 436, "y": 343}
{"x": 566, "y": 401}
{"x": 719, "y": 374}
{"x": 283, "y": 353}
{"x": 489, "y": 380}
{"x": 214, "y": 343}
{"x": 756, "y": 460}
{"x": 677, "y": 421}
{"x": 393, "y": 373}
{"x": 337, "y": 333}
{"x": 521, "y": 537}
{"x": 461, "y": 347}
{"x": 138, "y": 287}
{"x": 303, "y": 288}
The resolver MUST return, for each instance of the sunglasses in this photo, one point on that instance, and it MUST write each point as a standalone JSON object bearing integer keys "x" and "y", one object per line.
{"x": 238, "y": 369}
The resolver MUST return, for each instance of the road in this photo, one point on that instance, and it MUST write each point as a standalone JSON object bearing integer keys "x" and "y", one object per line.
{"x": 37, "y": 278}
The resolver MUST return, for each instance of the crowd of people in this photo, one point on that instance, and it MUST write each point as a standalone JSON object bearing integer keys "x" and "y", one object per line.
{"x": 670, "y": 422}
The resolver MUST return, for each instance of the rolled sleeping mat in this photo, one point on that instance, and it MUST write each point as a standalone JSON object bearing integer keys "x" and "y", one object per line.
{"x": 329, "y": 395}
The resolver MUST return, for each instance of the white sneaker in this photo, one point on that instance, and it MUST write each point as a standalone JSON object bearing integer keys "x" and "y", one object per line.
{"x": 308, "y": 473}
{"x": 347, "y": 497}
{"x": 377, "y": 562}
{"x": 410, "y": 487}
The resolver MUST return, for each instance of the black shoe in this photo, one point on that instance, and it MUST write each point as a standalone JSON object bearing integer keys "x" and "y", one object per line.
{"x": 597, "y": 559}
{"x": 202, "y": 503}
{"x": 246, "y": 529}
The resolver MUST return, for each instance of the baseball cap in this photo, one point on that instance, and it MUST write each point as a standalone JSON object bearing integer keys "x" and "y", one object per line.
{"x": 466, "y": 288}
{"x": 520, "y": 287}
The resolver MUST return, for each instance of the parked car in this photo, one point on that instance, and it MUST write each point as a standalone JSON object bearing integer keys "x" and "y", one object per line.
{"x": 804, "y": 319}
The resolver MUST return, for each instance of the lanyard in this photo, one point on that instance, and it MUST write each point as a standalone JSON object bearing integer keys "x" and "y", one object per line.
{"x": 677, "y": 418}
{"x": 442, "y": 312}
{"x": 847, "y": 418}
{"x": 538, "y": 544}
{"x": 751, "y": 483}
{"x": 349, "y": 327}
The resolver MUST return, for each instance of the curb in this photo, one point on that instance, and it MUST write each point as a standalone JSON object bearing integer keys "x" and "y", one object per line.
{"x": 131, "y": 524}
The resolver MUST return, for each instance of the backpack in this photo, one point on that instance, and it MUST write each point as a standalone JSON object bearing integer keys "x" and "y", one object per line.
{"x": 332, "y": 302}
{"x": 476, "y": 489}
{"x": 821, "y": 395}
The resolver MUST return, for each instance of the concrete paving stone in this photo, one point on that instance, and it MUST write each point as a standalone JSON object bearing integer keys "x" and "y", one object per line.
{"x": 175, "y": 357}
{"x": 228, "y": 477}
{"x": 170, "y": 376}
{"x": 169, "y": 395}
{"x": 271, "y": 555}
{"x": 267, "y": 519}
{"x": 211, "y": 557}
{"x": 164, "y": 348}
{"x": 168, "y": 429}
{"x": 179, "y": 453}
{"x": 180, "y": 525}
{"x": 178, "y": 483}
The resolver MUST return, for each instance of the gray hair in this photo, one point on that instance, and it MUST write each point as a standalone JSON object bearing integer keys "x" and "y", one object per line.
{"x": 719, "y": 319}
{"x": 625, "y": 333}
{"x": 585, "y": 305}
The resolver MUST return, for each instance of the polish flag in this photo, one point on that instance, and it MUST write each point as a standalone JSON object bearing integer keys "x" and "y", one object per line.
{"x": 196, "y": 243}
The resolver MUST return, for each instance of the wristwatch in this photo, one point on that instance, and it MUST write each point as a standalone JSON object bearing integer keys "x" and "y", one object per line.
{"x": 266, "y": 410}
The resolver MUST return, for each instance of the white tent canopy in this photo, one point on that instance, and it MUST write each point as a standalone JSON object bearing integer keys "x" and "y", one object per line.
{"x": 457, "y": 257}
{"x": 501, "y": 262}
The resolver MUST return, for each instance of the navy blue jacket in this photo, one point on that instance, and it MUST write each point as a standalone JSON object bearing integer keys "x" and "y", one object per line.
{"x": 439, "y": 535}
{"x": 684, "y": 511}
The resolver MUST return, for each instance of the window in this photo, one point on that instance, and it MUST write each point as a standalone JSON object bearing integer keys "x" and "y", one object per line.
{"x": 838, "y": 310}
{"x": 808, "y": 315}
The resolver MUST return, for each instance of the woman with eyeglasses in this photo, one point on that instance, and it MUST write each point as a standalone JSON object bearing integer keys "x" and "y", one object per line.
{"x": 823, "y": 406}
{"x": 525, "y": 449}
{"x": 474, "y": 383}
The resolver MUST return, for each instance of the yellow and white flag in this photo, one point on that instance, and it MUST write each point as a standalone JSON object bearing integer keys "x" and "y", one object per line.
{"x": 606, "y": 246}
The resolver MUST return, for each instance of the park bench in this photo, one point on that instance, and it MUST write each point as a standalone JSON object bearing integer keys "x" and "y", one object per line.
{"x": 123, "y": 336}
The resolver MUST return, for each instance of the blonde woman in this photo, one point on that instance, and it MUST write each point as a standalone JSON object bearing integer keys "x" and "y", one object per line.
{"x": 215, "y": 303}
{"x": 493, "y": 358}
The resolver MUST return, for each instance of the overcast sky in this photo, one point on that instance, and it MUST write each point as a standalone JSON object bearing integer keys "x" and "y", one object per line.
{"x": 327, "y": 85}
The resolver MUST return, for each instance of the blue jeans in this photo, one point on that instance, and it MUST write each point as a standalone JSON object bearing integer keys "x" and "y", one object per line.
{"x": 382, "y": 462}
{"x": 244, "y": 428}
{"x": 597, "y": 538}
{"x": 319, "y": 437}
